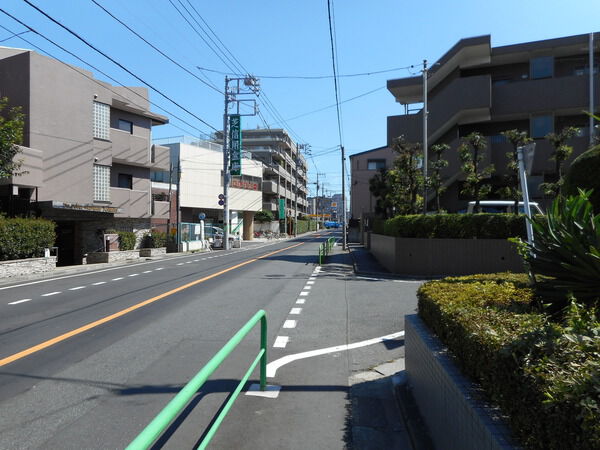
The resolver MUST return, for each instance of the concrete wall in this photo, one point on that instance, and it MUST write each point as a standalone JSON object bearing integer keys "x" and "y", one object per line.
{"x": 437, "y": 257}
{"x": 449, "y": 403}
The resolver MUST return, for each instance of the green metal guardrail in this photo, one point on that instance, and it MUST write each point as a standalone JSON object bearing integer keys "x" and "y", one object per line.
{"x": 325, "y": 249}
{"x": 158, "y": 425}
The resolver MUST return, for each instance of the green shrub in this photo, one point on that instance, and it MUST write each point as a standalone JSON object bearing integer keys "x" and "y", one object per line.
{"x": 544, "y": 376}
{"x": 456, "y": 226}
{"x": 25, "y": 238}
{"x": 127, "y": 240}
{"x": 263, "y": 216}
{"x": 583, "y": 174}
{"x": 565, "y": 256}
{"x": 154, "y": 239}
{"x": 304, "y": 226}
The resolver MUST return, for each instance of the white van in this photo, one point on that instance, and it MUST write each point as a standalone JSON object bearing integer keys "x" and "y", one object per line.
{"x": 503, "y": 206}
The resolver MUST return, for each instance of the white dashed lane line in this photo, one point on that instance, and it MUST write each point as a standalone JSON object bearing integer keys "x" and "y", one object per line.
{"x": 98, "y": 283}
{"x": 296, "y": 311}
{"x": 20, "y": 301}
{"x": 133, "y": 275}
{"x": 117, "y": 279}
{"x": 146, "y": 271}
{"x": 281, "y": 341}
{"x": 51, "y": 293}
{"x": 289, "y": 324}
{"x": 310, "y": 282}
{"x": 159, "y": 268}
{"x": 307, "y": 288}
{"x": 303, "y": 293}
{"x": 76, "y": 288}
{"x": 301, "y": 301}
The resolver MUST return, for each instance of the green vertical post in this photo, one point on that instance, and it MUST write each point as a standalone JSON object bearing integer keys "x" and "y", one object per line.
{"x": 263, "y": 359}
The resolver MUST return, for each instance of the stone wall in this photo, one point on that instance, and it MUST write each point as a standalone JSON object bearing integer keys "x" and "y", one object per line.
{"x": 92, "y": 232}
{"x": 19, "y": 267}
{"x": 449, "y": 403}
{"x": 106, "y": 257}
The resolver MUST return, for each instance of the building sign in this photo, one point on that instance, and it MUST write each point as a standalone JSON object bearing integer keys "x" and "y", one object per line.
{"x": 243, "y": 184}
{"x": 334, "y": 204}
{"x": 282, "y": 208}
{"x": 86, "y": 207}
{"x": 235, "y": 144}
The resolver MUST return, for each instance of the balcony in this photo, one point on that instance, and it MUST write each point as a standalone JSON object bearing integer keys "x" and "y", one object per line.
{"x": 32, "y": 169}
{"x": 464, "y": 100}
{"x": 160, "y": 157}
{"x": 570, "y": 93}
{"x": 132, "y": 203}
{"x": 160, "y": 210}
{"x": 130, "y": 149}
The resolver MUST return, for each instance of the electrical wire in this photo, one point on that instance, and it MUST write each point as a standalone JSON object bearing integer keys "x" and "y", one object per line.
{"x": 141, "y": 80}
{"x": 96, "y": 69}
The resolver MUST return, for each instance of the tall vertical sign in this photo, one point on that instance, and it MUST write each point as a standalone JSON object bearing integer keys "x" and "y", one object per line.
{"x": 235, "y": 144}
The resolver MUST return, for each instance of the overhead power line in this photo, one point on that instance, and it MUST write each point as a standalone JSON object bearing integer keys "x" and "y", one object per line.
{"x": 155, "y": 48}
{"x": 312, "y": 77}
{"x": 158, "y": 91}
{"x": 171, "y": 114}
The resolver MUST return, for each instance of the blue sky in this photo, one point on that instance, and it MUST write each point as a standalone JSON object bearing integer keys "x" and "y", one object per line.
{"x": 283, "y": 38}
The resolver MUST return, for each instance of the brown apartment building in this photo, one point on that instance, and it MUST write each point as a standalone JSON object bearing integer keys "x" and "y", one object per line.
{"x": 538, "y": 87}
{"x": 87, "y": 152}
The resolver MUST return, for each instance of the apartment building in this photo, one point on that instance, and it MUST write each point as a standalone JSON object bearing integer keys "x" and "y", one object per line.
{"x": 538, "y": 87}
{"x": 87, "y": 152}
{"x": 284, "y": 172}
{"x": 200, "y": 166}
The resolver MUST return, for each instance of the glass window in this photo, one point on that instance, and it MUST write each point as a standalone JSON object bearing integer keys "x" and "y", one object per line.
{"x": 101, "y": 121}
{"x": 125, "y": 181}
{"x": 541, "y": 126}
{"x": 160, "y": 177}
{"x": 101, "y": 183}
{"x": 126, "y": 125}
{"x": 542, "y": 67}
{"x": 375, "y": 164}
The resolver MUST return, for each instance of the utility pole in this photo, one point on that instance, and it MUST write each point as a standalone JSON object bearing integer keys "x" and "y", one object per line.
{"x": 252, "y": 86}
{"x": 296, "y": 161}
{"x": 591, "y": 58}
{"x": 344, "y": 243}
{"x": 425, "y": 114}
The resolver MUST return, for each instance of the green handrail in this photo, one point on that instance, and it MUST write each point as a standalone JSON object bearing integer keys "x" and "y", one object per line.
{"x": 158, "y": 425}
{"x": 325, "y": 249}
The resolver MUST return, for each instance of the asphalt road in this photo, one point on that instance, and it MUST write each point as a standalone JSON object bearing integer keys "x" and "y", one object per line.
{"x": 87, "y": 360}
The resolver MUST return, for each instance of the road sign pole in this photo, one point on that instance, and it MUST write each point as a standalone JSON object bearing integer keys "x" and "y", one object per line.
{"x": 226, "y": 170}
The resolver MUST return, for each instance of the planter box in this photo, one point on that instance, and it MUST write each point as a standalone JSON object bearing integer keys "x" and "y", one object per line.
{"x": 106, "y": 257}
{"x": 448, "y": 402}
{"x": 439, "y": 257}
{"x": 149, "y": 252}
{"x": 19, "y": 267}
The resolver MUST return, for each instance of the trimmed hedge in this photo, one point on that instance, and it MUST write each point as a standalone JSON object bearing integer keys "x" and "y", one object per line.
{"x": 544, "y": 376}
{"x": 127, "y": 240}
{"x": 25, "y": 238}
{"x": 154, "y": 239}
{"x": 454, "y": 226}
{"x": 304, "y": 226}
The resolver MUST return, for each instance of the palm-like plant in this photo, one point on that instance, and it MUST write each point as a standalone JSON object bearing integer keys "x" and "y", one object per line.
{"x": 471, "y": 153}
{"x": 565, "y": 255}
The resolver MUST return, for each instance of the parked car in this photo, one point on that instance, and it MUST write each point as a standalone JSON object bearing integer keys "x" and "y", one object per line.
{"x": 503, "y": 206}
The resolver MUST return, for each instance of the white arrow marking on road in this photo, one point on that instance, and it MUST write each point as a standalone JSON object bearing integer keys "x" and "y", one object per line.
{"x": 274, "y": 365}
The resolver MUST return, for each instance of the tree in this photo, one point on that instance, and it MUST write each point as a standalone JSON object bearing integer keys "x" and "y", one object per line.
{"x": 12, "y": 122}
{"x": 471, "y": 153}
{"x": 561, "y": 153}
{"x": 511, "y": 190}
{"x": 263, "y": 216}
{"x": 435, "y": 179}
{"x": 407, "y": 176}
{"x": 381, "y": 187}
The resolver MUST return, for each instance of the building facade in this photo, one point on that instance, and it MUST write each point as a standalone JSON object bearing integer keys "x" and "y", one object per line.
{"x": 537, "y": 87}
{"x": 284, "y": 173}
{"x": 200, "y": 167}
{"x": 87, "y": 152}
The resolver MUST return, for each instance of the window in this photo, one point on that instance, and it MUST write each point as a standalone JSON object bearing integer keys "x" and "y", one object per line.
{"x": 126, "y": 125}
{"x": 101, "y": 180}
{"x": 101, "y": 121}
{"x": 542, "y": 67}
{"x": 541, "y": 126}
{"x": 160, "y": 177}
{"x": 375, "y": 164}
{"x": 125, "y": 181}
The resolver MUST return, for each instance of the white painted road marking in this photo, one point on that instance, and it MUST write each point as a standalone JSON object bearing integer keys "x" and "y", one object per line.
{"x": 146, "y": 271}
{"x": 274, "y": 365}
{"x": 50, "y": 293}
{"x": 310, "y": 282}
{"x": 117, "y": 279}
{"x": 281, "y": 341}
{"x": 303, "y": 293}
{"x": 133, "y": 275}
{"x": 296, "y": 311}
{"x": 159, "y": 268}
{"x": 98, "y": 283}
{"x": 289, "y": 324}
{"x": 301, "y": 301}
{"x": 77, "y": 288}
{"x": 308, "y": 288}
{"x": 20, "y": 301}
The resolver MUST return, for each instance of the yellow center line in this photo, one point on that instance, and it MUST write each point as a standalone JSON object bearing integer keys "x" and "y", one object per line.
{"x": 89, "y": 326}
